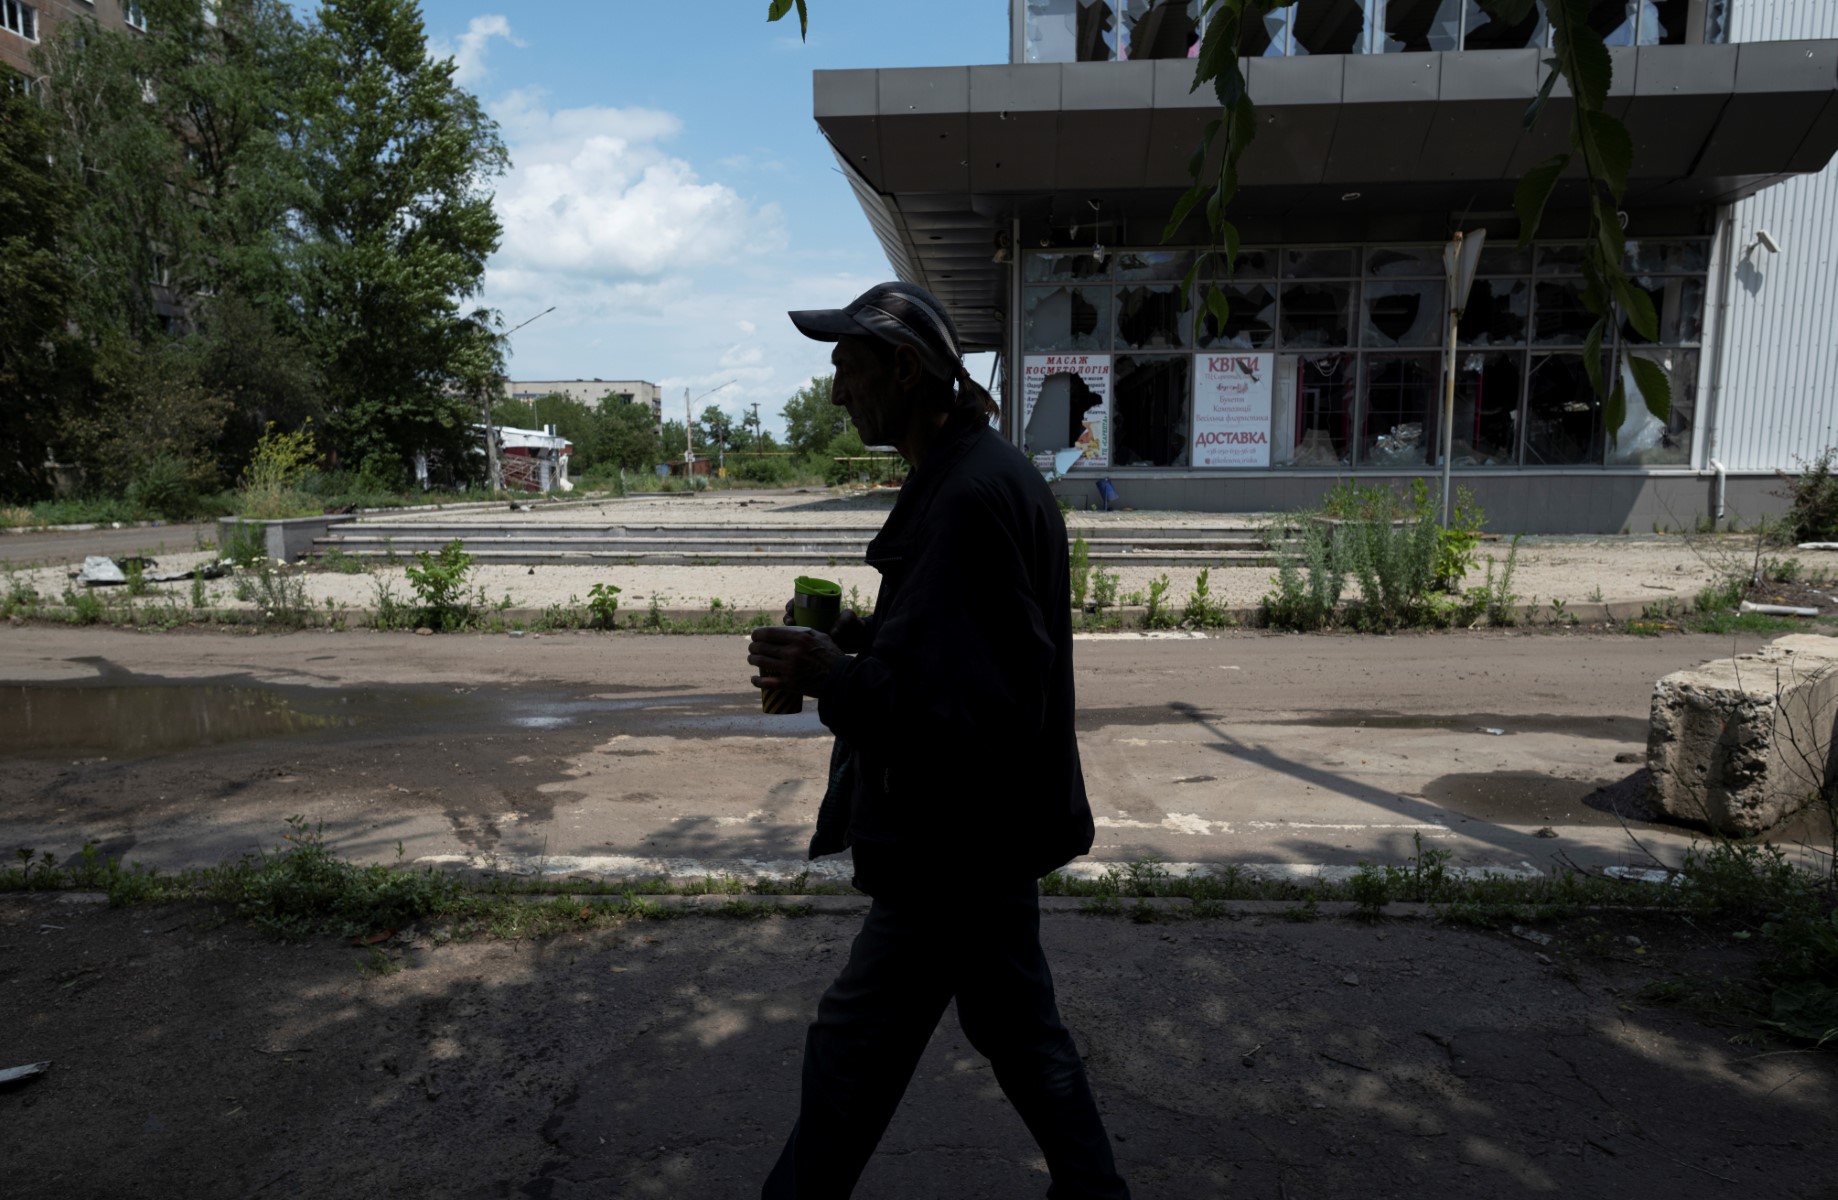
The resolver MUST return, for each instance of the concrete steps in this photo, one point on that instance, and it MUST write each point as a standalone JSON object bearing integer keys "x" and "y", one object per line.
{"x": 533, "y": 544}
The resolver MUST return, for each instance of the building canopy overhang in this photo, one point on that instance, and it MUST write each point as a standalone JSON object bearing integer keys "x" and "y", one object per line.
{"x": 942, "y": 159}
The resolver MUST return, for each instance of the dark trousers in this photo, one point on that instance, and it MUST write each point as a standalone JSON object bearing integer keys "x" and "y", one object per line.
{"x": 909, "y": 960}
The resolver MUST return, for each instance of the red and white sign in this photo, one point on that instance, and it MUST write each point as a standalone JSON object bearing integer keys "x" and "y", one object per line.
{"x": 1093, "y": 372}
{"x": 1231, "y": 409}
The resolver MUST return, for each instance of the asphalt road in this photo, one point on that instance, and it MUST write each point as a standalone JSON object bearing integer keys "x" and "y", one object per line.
{"x": 68, "y": 546}
{"x": 633, "y": 754}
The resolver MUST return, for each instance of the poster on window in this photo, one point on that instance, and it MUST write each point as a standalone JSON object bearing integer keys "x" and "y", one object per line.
{"x": 1231, "y": 409}
{"x": 1066, "y": 404}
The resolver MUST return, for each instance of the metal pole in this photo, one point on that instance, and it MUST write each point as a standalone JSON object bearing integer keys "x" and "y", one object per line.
{"x": 689, "y": 453}
{"x": 1448, "y": 416}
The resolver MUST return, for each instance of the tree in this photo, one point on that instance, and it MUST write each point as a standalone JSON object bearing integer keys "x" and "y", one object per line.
{"x": 811, "y": 420}
{"x": 717, "y": 428}
{"x": 36, "y": 290}
{"x": 399, "y": 227}
{"x": 628, "y": 437}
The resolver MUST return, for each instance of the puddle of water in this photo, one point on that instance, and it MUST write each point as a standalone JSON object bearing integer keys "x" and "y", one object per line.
{"x": 130, "y": 720}
{"x": 1520, "y": 797}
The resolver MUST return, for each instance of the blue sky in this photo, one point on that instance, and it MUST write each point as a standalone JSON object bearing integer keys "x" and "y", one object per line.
{"x": 670, "y": 193}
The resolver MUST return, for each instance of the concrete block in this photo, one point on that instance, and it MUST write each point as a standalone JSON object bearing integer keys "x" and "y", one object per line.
{"x": 1741, "y": 744}
{"x": 288, "y": 540}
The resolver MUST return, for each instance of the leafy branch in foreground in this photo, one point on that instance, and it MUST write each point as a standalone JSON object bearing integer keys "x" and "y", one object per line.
{"x": 780, "y": 7}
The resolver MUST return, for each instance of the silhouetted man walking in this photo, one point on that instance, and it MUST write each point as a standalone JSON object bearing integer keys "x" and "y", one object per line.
{"x": 956, "y": 779}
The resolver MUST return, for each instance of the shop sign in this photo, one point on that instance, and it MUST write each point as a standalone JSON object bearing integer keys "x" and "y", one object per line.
{"x": 1089, "y": 384}
{"x": 1231, "y": 409}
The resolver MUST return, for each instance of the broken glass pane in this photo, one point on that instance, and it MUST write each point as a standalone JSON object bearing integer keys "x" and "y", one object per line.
{"x": 1152, "y": 316}
{"x": 1717, "y": 22}
{"x": 1649, "y": 257}
{"x": 1485, "y": 32}
{"x": 1487, "y": 410}
{"x": 1663, "y": 22}
{"x": 1563, "y": 420}
{"x": 1316, "y": 316}
{"x": 1151, "y": 395}
{"x": 1266, "y": 38}
{"x": 1059, "y": 31}
{"x": 1316, "y": 263}
{"x": 1496, "y": 313}
{"x": 1331, "y": 26}
{"x": 1068, "y": 318}
{"x": 1405, "y": 262}
{"x": 1324, "y": 396}
{"x": 1422, "y": 25}
{"x": 1643, "y": 439}
{"x": 1251, "y": 320}
{"x": 1160, "y": 29}
{"x": 1043, "y": 267}
{"x": 1615, "y": 20}
{"x": 1679, "y": 301}
{"x": 1153, "y": 264}
{"x": 1559, "y": 318}
{"x": 1399, "y": 429}
{"x": 1404, "y": 313}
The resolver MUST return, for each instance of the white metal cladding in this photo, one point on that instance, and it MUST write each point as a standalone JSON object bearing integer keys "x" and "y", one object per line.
{"x": 1780, "y": 366}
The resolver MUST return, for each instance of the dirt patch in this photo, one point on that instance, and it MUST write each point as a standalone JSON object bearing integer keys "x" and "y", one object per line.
{"x": 192, "y": 1057}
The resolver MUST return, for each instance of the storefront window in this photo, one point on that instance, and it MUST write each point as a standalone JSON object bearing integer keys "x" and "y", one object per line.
{"x": 1487, "y": 410}
{"x": 1404, "y": 262}
{"x": 1615, "y": 20}
{"x": 1059, "y": 31}
{"x": 1152, "y": 316}
{"x": 1505, "y": 260}
{"x": 1679, "y": 301}
{"x": 1647, "y": 257}
{"x": 1496, "y": 313}
{"x": 1323, "y": 387}
{"x": 1043, "y": 267}
{"x": 1316, "y": 316}
{"x": 1400, "y": 413}
{"x": 1717, "y": 22}
{"x": 1560, "y": 318}
{"x": 1560, "y": 260}
{"x": 1250, "y": 323}
{"x": 1170, "y": 265}
{"x": 1423, "y": 25}
{"x": 1403, "y": 313}
{"x": 1643, "y": 439}
{"x": 1254, "y": 264}
{"x": 1316, "y": 263}
{"x": 1058, "y": 319}
{"x": 1331, "y": 26}
{"x": 1487, "y": 32}
{"x": 1160, "y": 29}
{"x": 1270, "y": 37}
{"x": 1150, "y": 400}
{"x": 1563, "y": 418}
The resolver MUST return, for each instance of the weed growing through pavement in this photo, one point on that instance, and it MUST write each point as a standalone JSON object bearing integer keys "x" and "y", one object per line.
{"x": 603, "y": 605}
{"x": 1081, "y": 573}
{"x": 439, "y": 583}
{"x": 1158, "y": 615}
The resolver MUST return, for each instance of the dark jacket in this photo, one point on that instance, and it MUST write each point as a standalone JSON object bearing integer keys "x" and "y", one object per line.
{"x": 958, "y": 717}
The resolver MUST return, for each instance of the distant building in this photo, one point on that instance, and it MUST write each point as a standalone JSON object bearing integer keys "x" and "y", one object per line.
{"x": 591, "y": 391}
{"x": 24, "y": 25}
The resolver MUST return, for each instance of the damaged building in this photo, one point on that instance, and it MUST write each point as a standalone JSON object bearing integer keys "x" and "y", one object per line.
{"x": 1031, "y": 197}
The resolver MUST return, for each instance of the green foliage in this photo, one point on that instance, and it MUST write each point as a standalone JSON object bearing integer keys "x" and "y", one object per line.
{"x": 1202, "y": 611}
{"x": 1456, "y": 543}
{"x": 1496, "y": 595}
{"x": 812, "y": 420}
{"x": 1311, "y": 573}
{"x": 439, "y": 583}
{"x": 603, "y": 605}
{"x": 279, "y": 465}
{"x": 1812, "y": 499}
{"x": 166, "y": 487}
{"x": 1081, "y": 572}
{"x": 1103, "y": 590}
{"x": 301, "y": 888}
{"x": 1158, "y": 615}
{"x": 1782, "y": 570}
{"x": 1395, "y": 563}
{"x": 1719, "y": 596}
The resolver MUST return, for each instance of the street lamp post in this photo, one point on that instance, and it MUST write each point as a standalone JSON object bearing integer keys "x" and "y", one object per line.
{"x": 689, "y": 425}
{"x": 495, "y": 472}
{"x": 1460, "y": 259}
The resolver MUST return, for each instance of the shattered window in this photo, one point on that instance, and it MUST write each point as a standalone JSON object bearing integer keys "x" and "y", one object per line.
{"x": 1316, "y": 315}
{"x": 1486, "y": 32}
{"x": 1160, "y": 29}
{"x": 1332, "y": 26}
{"x": 1423, "y": 25}
{"x": 1068, "y": 318}
{"x": 1324, "y": 395}
{"x": 1563, "y": 419}
{"x": 1250, "y": 323}
{"x": 1059, "y": 31}
{"x": 1150, "y": 400}
{"x": 1643, "y": 439}
{"x": 1269, "y": 37}
{"x": 1496, "y": 313}
{"x": 1400, "y": 412}
{"x": 1404, "y": 313}
{"x": 1679, "y": 302}
{"x": 1486, "y": 428}
{"x": 1152, "y": 316}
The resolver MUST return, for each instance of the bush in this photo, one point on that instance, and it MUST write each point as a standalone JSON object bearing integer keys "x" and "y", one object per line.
{"x": 301, "y": 889}
{"x": 167, "y": 487}
{"x": 1158, "y": 616}
{"x": 1309, "y": 579}
{"x": 1457, "y": 542}
{"x": 439, "y": 581}
{"x": 1812, "y": 499}
{"x": 1081, "y": 573}
{"x": 1201, "y": 610}
{"x": 272, "y": 482}
{"x": 603, "y": 604}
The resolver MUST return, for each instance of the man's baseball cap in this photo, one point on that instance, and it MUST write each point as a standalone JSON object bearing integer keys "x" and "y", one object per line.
{"x": 903, "y": 314}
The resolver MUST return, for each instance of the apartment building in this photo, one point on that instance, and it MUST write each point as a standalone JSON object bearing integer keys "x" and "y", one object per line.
{"x": 1031, "y": 197}
{"x": 24, "y": 25}
{"x": 591, "y": 391}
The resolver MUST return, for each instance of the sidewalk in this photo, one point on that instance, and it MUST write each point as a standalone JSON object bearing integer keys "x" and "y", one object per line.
{"x": 1251, "y": 1057}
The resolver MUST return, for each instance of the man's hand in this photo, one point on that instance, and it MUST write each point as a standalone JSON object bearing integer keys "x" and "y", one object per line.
{"x": 792, "y": 658}
{"x": 850, "y": 632}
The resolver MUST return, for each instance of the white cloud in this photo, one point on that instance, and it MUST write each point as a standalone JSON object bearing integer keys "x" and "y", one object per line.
{"x": 593, "y": 193}
{"x": 468, "y": 54}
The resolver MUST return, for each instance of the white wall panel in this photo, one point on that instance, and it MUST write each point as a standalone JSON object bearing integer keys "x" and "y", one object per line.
{"x": 1780, "y": 367}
